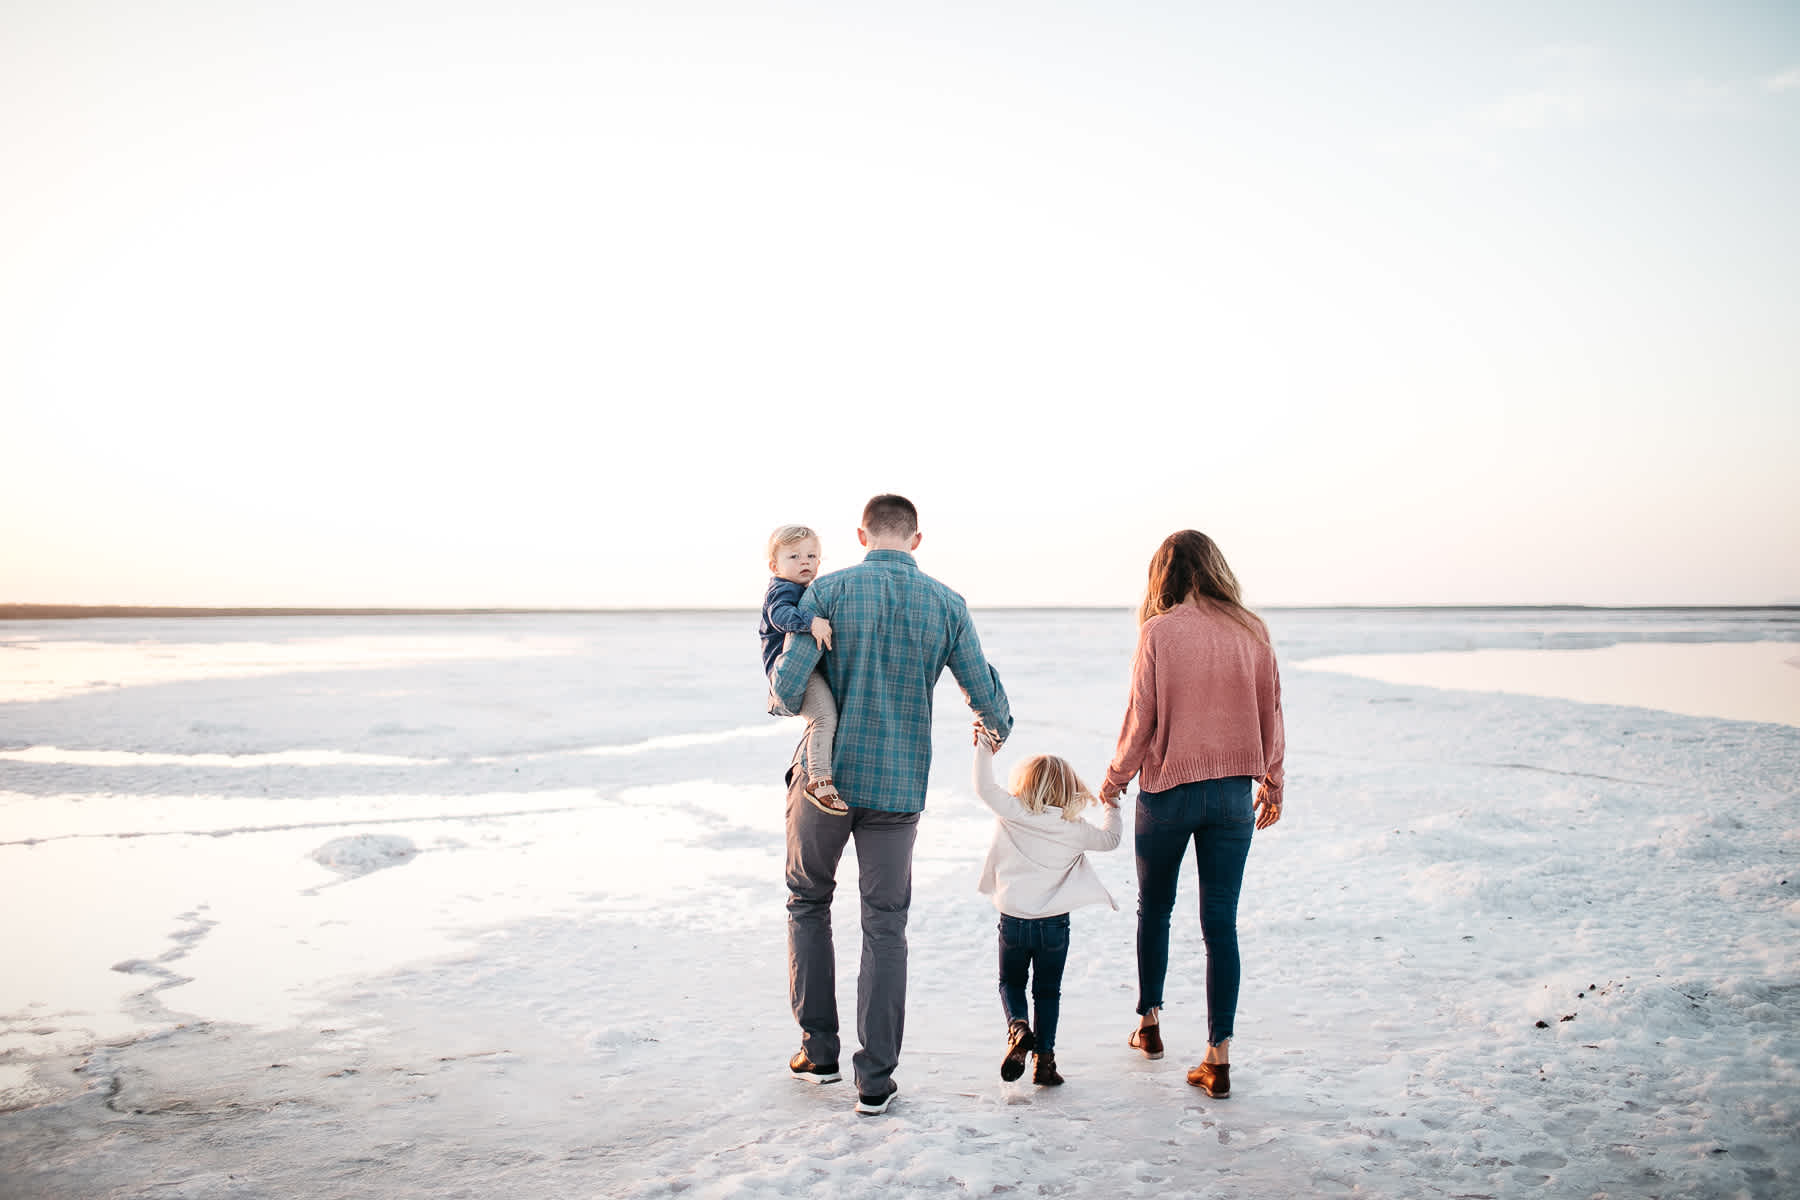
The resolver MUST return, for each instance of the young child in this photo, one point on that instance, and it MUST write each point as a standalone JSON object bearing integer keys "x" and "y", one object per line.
{"x": 794, "y": 558}
{"x": 1037, "y": 871}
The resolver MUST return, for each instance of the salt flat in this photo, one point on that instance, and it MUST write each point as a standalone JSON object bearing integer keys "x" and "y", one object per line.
{"x": 506, "y": 918}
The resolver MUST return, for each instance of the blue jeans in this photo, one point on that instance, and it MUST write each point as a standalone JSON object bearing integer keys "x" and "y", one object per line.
{"x": 1039, "y": 946}
{"x": 1219, "y": 817}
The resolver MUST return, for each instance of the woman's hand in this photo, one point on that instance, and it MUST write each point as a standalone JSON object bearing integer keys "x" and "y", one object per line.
{"x": 1268, "y": 807}
{"x": 1110, "y": 797}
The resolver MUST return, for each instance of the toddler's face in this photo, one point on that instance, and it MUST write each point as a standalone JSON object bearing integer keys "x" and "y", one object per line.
{"x": 798, "y": 562}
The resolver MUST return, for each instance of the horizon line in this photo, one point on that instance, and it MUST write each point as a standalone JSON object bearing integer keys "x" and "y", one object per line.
{"x": 58, "y": 612}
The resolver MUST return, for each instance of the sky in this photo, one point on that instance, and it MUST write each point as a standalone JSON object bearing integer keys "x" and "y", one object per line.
{"x": 540, "y": 304}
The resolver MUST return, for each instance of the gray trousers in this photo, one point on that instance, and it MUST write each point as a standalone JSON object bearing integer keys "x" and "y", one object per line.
{"x": 884, "y": 850}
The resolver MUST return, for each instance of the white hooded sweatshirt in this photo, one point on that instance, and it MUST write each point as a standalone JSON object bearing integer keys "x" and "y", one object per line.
{"x": 1036, "y": 866}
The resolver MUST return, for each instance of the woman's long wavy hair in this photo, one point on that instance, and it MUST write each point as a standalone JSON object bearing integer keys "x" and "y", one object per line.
{"x": 1191, "y": 564}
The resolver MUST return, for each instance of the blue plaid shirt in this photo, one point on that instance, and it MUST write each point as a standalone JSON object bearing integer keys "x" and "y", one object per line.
{"x": 893, "y": 631}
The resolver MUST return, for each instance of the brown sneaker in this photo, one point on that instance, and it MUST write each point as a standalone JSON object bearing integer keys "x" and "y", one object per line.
{"x": 1212, "y": 1078}
{"x": 1149, "y": 1040}
{"x": 1043, "y": 1072}
{"x": 802, "y": 1067}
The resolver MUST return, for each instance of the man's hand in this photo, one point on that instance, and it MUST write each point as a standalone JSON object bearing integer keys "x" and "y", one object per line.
{"x": 821, "y": 631}
{"x": 984, "y": 734}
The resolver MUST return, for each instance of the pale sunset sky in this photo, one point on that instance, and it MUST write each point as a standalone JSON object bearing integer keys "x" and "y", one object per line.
{"x": 444, "y": 303}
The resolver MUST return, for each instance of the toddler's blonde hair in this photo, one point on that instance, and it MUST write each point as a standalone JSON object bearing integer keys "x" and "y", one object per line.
{"x": 1046, "y": 781}
{"x": 785, "y": 534}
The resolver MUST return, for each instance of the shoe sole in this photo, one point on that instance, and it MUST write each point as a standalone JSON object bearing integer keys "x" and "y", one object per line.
{"x": 865, "y": 1109}
{"x": 1013, "y": 1065}
{"x": 812, "y": 1077}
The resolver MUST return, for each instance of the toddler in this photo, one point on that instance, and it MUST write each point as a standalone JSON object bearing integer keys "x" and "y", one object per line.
{"x": 794, "y": 558}
{"x": 1036, "y": 871}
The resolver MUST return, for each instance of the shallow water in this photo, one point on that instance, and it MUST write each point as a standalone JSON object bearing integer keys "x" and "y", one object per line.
{"x": 1739, "y": 681}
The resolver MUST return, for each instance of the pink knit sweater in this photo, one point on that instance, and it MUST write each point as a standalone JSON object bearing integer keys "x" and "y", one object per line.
{"x": 1205, "y": 704}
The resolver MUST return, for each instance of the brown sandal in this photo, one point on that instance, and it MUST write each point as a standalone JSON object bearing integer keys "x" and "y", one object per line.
{"x": 824, "y": 796}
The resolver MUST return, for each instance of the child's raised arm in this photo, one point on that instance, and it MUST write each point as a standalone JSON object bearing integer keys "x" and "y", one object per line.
{"x": 1106, "y": 837}
{"x": 987, "y": 789}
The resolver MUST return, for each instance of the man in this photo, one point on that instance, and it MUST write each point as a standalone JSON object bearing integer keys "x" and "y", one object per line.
{"x": 894, "y": 630}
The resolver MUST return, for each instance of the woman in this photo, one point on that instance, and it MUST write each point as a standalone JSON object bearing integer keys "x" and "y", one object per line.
{"x": 1203, "y": 732}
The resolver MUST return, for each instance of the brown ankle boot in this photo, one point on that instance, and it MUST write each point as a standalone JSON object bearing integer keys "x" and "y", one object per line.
{"x": 1019, "y": 1043}
{"x": 1212, "y": 1078}
{"x": 1044, "y": 1072}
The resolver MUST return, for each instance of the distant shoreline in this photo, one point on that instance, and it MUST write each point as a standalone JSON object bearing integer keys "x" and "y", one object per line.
{"x": 67, "y": 612}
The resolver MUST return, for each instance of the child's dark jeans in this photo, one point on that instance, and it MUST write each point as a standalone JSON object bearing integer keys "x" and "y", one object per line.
{"x": 1038, "y": 946}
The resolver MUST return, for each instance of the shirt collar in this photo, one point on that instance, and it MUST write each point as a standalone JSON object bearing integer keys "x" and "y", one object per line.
{"x": 900, "y": 556}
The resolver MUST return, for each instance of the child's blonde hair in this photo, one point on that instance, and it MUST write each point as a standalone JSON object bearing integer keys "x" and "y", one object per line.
{"x": 784, "y": 534}
{"x": 1046, "y": 781}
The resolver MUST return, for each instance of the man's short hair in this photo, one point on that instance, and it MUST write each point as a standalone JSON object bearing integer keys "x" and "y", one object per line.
{"x": 890, "y": 516}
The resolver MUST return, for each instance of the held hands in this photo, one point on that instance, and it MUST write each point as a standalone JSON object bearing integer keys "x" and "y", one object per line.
{"x": 821, "y": 631}
{"x": 1110, "y": 796}
{"x": 1268, "y": 807}
{"x": 986, "y": 737}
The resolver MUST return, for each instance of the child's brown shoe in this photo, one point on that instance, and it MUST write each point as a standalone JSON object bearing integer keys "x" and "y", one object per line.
{"x": 824, "y": 796}
{"x": 1019, "y": 1042}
